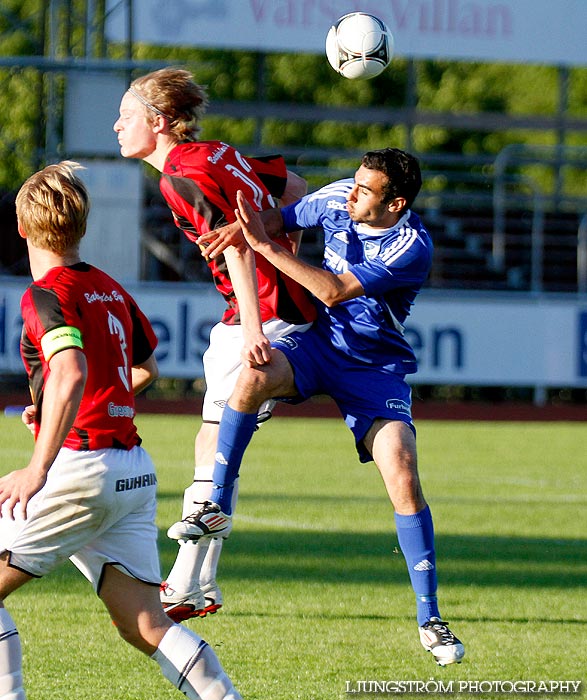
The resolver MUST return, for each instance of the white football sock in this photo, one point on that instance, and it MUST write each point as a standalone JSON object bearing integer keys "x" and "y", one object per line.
{"x": 199, "y": 490}
{"x": 191, "y": 665}
{"x": 209, "y": 566}
{"x": 210, "y": 563}
{"x": 184, "y": 576}
{"x": 185, "y": 573}
{"x": 196, "y": 563}
{"x": 11, "y": 687}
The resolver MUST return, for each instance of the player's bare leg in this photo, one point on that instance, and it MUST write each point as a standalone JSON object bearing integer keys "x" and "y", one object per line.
{"x": 256, "y": 385}
{"x": 392, "y": 445}
{"x": 186, "y": 660}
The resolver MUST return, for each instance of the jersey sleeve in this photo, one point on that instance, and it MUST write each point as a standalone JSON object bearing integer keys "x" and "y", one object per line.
{"x": 329, "y": 202}
{"x": 298, "y": 216}
{"x": 45, "y": 320}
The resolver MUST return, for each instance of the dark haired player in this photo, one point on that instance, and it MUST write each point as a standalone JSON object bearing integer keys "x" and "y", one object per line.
{"x": 377, "y": 255}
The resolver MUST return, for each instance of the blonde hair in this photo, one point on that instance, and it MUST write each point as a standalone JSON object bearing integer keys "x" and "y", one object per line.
{"x": 173, "y": 94}
{"x": 52, "y": 207}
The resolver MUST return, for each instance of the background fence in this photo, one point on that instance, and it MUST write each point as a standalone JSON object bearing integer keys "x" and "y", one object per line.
{"x": 507, "y": 220}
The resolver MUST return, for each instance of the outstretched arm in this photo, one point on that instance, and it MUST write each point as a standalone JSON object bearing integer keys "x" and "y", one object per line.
{"x": 215, "y": 242}
{"x": 242, "y": 270}
{"x": 331, "y": 289}
{"x": 62, "y": 397}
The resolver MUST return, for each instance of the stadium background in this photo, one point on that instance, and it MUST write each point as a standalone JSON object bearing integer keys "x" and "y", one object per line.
{"x": 492, "y": 97}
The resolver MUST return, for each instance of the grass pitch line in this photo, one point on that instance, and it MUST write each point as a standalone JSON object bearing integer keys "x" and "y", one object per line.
{"x": 280, "y": 524}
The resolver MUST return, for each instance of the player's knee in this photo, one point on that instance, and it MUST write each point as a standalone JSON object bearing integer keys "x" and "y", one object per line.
{"x": 128, "y": 631}
{"x": 405, "y": 492}
{"x": 257, "y": 383}
{"x": 144, "y": 635}
{"x": 408, "y": 483}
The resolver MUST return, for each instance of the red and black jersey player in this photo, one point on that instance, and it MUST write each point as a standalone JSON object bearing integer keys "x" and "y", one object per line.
{"x": 80, "y": 305}
{"x": 159, "y": 122}
{"x": 88, "y": 491}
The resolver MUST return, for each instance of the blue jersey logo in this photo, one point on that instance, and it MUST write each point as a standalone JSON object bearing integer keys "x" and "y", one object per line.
{"x": 372, "y": 249}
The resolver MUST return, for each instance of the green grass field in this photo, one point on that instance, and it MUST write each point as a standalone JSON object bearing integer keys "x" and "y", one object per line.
{"x": 316, "y": 592}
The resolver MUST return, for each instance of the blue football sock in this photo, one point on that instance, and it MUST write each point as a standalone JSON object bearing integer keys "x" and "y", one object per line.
{"x": 415, "y": 534}
{"x": 235, "y": 433}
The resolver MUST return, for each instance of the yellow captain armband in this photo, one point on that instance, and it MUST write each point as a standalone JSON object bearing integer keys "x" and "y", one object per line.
{"x": 60, "y": 339}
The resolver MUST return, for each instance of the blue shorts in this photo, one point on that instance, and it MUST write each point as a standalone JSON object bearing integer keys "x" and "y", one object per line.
{"x": 361, "y": 391}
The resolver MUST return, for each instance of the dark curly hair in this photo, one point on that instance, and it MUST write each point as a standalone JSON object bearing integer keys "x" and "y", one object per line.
{"x": 404, "y": 178}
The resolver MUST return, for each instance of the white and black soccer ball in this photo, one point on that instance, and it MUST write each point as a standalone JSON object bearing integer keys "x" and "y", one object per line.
{"x": 359, "y": 46}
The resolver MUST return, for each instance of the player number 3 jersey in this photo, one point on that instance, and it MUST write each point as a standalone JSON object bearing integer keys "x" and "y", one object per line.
{"x": 82, "y": 307}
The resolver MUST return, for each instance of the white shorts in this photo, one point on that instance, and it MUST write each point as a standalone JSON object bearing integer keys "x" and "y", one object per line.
{"x": 97, "y": 507}
{"x": 222, "y": 364}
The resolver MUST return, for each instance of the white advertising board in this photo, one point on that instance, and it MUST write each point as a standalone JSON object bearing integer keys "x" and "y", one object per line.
{"x": 181, "y": 315}
{"x": 538, "y": 31}
{"x": 484, "y": 340}
{"x": 499, "y": 340}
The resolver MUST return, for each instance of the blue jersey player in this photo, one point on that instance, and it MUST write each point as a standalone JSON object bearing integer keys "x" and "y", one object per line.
{"x": 377, "y": 255}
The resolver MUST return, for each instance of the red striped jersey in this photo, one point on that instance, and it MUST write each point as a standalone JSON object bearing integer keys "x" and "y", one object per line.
{"x": 199, "y": 182}
{"x": 82, "y": 307}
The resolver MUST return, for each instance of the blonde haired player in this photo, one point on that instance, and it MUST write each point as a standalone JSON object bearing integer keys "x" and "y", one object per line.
{"x": 88, "y": 491}
{"x": 159, "y": 122}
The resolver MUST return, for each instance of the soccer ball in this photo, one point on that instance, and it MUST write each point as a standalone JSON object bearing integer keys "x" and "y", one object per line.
{"x": 359, "y": 46}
